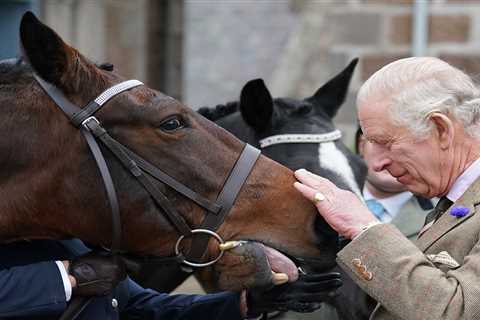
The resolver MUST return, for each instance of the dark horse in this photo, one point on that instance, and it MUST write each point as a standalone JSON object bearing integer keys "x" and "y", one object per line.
{"x": 298, "y": 133}
{"x": 258, "y": 119}
{"x": 50, "y": 186}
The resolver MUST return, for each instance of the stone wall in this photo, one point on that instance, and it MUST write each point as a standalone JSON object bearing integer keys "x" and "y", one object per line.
{"x": 142, "y": 38}
{"x": 380, "y": 31}
{"x": 228, "y": 43}
{"x": 203, "y": 51}
{"x": 297, "y": 45}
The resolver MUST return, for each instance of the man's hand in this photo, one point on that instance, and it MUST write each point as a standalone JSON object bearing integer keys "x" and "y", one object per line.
{"x": 341, "y": 209}
{"x": 303, "y": 295}
{"x": 96, "y": 274}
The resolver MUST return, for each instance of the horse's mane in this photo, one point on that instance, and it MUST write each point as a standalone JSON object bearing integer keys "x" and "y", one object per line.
{"x": 219, "y": 111}
{"x": 17, "y": 66}
{"x": 11, "y": 69}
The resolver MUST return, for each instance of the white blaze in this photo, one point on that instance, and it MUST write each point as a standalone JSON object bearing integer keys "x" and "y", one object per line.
{"x": 334, "y": 160}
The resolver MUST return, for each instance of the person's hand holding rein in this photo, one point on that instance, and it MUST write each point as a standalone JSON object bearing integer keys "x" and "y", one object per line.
{"x": 95, "y": 273}
{"x": 341, "y": 209}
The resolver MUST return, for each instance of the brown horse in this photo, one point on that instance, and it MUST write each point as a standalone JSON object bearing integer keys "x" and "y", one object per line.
{"x": 50, "y": 187}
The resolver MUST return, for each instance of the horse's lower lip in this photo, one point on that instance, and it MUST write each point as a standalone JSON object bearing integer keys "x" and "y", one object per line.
{"x": 280, "y": 263}
{"x": 307, "y": 264}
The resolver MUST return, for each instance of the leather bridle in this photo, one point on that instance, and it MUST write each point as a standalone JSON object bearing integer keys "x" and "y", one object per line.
{"x": 145, "y": 173}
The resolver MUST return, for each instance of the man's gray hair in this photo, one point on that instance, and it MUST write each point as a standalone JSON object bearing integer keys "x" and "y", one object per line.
{"x": 419, "y": 86}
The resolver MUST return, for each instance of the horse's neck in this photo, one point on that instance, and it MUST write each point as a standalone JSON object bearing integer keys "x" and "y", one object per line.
{"x": 21, "y": 199}
{"x": 33, "y": 196}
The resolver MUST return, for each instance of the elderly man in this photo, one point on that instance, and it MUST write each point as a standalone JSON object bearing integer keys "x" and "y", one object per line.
{"x": 388, "y": 199}
{"x": 421, "y": 116}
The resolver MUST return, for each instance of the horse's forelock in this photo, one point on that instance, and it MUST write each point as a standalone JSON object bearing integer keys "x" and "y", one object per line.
{"x": 287, "y": 107}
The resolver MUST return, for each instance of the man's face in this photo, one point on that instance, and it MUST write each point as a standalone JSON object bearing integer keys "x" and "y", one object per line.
{"x": 380, "y": 180}
{"x": 412, "y": 161}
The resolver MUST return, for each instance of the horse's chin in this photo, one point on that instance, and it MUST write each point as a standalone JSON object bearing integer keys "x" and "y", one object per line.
{"x": 253, "y": 264}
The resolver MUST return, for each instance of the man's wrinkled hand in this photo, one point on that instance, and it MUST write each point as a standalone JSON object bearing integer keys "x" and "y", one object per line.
{"x": 303, "y": 295}
{"x": 345, "y": 212}
{"x": 96, "y": 274}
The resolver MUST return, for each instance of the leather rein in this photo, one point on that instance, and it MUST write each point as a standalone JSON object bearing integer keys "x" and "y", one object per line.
{"x": 147, "y": 174}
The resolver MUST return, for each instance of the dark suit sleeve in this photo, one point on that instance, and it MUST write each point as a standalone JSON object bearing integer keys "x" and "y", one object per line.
{"x": 31, "y": 290}
{"x": 149, "y": 304}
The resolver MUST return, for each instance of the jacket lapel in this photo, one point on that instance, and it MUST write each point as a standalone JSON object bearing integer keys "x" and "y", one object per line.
{"x": 447, "y": 222}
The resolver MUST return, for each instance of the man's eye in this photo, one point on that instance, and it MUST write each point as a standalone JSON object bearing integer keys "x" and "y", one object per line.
{"x": 172, "y": 124}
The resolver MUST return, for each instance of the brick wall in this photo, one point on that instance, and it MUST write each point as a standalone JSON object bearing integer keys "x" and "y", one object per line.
{"x": 378, "y": 32}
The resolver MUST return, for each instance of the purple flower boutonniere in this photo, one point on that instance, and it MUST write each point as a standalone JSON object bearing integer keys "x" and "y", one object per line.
{"x": 459, "y": 212}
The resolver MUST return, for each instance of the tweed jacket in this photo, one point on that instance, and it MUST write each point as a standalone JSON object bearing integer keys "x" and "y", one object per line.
{"x": 409, "y": 221}
{"x": 438, "y": 277}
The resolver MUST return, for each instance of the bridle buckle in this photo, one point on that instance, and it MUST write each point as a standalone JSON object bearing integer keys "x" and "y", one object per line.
{"x": 86, "y": 121}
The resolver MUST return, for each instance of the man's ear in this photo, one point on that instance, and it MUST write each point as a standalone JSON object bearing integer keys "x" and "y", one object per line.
{"x": 444, "y": 129}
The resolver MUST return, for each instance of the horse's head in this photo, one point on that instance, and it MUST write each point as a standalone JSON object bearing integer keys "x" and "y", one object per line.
{"x": 50, "y": 186}
{"x": 298, "y": 133}
{"x": 275, "y": 124}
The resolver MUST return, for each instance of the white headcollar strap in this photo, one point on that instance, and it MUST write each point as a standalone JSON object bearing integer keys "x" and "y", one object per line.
{"x": 300, "y": 138}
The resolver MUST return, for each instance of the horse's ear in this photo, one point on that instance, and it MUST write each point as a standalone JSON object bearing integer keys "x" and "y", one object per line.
{"x": 256, "y": 104}
{"x": 51, "y": 58}
{"x": 332, "y": 94}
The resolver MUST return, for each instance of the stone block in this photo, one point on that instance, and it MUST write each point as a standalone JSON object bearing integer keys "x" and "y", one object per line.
{"x": 356, "y": 28}
{"x": 299, "y": 6}
{"x": 441, "y": 28}
{"x": 389, "y": 2}
{"x": 469, "y": 63}
{"x": 401, "y": 29}
{"x": 371, "y": 63}
{"x": 453, "y": 28}
{"x": 464, "y": 1}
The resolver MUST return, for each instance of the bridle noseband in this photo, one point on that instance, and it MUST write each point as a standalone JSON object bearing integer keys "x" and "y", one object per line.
{"x": 145, "y": 173}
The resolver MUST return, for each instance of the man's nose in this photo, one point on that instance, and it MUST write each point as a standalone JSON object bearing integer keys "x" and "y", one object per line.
{"x": 380, "y": 164}
{"x": 379, "y": 158}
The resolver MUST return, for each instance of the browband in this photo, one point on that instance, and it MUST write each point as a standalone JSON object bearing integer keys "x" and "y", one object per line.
{"x": 300, "y": 138}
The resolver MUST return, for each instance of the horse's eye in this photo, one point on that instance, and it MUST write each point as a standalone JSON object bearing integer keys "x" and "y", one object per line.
{"x": 172, "y": 124}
